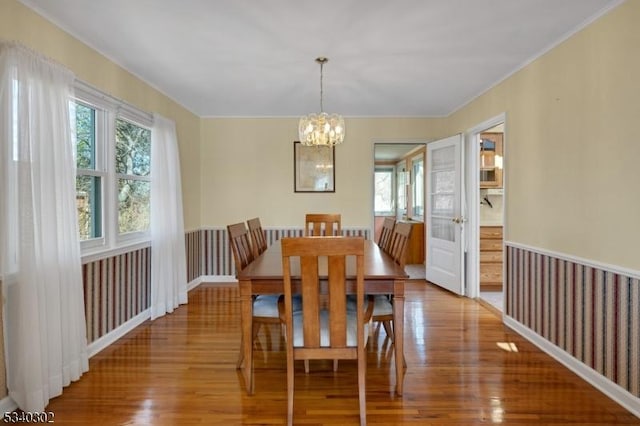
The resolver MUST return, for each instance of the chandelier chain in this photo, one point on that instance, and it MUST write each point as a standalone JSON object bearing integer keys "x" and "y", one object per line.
{"x": 321, "y": 87}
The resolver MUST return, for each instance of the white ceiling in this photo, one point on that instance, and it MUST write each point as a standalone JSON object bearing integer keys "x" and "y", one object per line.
{"x": 255, "y": 58}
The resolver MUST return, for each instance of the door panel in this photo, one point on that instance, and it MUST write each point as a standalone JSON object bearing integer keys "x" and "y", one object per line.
{"x": 444, "y": 176}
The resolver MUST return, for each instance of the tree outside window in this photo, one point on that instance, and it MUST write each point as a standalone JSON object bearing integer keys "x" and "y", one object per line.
{"x": 384, "y": 204}
{"x": 133, "y": 168}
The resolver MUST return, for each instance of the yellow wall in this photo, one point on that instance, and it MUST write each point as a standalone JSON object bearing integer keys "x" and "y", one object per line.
{"x": 572, "y": 154}
{"x": 247, "y": 170}
{"x": 18, "y": 22}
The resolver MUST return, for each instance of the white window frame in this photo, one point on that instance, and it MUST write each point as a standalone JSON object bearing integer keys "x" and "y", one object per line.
{"x": 108, "y": 109}
{"x": 414, "y": 160}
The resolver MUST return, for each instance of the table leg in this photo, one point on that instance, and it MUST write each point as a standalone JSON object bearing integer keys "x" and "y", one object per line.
{"x": 246, "y": 303}
{"x": 398, "y": 322}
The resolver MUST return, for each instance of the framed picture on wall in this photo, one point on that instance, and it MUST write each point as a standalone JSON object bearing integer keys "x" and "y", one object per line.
{"x": 313, "y": 168}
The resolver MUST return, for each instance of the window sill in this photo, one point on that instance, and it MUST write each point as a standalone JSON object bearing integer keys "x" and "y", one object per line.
{"x": 102, "y": 253}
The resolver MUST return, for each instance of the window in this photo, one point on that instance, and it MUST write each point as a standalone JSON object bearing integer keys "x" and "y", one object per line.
{"x": 384, "y": 194}
{"x": 113, "y": 177}
{"x": 89, "y": 173}
{"x": 133, "y": 166}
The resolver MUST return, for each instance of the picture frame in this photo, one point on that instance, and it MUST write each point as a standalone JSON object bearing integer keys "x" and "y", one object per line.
{"x": 313, "y": 168}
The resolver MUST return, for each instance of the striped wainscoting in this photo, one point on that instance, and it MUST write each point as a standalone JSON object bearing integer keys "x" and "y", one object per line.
{"x": 209, "y": 253}
{"x": 591, "y": 313}
{"x": 116, "y": 289}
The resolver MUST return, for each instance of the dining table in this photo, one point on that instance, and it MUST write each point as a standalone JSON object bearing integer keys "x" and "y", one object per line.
{"x": 382, "y": 275}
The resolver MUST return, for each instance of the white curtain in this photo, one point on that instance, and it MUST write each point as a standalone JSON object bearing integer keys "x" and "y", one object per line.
{"x": 168, "y": 259}
{"x": 40, "y": 266}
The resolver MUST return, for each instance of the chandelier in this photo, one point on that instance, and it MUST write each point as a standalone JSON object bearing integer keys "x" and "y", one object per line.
{"x": 321, "y": 129}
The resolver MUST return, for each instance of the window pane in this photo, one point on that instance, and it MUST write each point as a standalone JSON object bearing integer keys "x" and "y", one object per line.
{"x": 383, "y": 191}
{"x": 89, "y": 205}
{"x": 133, "y": 205}
{"x": 85, "y": 137}
{"x": 443, "y": 229}
{"x": 133, "y": 149}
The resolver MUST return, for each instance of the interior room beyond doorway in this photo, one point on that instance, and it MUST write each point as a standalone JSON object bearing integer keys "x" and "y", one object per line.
{"x": 491, "y": 195}
{"x": 399, "y": 193}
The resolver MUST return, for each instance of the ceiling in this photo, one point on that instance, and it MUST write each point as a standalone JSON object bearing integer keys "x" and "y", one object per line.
{"x": 255, "y": 58}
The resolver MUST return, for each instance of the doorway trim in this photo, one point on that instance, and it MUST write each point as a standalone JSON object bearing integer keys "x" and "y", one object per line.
{"x": 472, "y": 179}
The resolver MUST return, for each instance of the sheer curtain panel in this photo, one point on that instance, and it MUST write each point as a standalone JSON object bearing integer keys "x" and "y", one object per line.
{"x": 168, "y": 258}
{"x": 40, "y": 266}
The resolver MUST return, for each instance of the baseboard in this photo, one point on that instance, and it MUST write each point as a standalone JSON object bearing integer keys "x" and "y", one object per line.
{"x": 597, "y": 380}
{"x": 106, "y": 340}
{"x": 222, "y": 279}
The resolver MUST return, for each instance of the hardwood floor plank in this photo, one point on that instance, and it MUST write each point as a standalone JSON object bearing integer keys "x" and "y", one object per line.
{"x": 464, "y": 367}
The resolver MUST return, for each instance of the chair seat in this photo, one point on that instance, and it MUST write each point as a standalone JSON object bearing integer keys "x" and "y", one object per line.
{"x": 267, "y": 305}
{"x": 352, "y": 331}
{"x": 351, "y": 303}
{"x": 382, "y": 305}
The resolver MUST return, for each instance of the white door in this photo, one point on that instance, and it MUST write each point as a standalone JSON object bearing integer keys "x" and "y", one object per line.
{"x": 445, "y": 220}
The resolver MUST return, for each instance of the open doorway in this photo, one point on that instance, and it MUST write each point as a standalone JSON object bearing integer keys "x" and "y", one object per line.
{"x": 399, "y": 193}
{"x": 488, "y": 144}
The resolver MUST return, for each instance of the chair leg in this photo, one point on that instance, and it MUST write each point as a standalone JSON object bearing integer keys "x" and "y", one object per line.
{"x": 335, "y": 365}
{"x": 256, "y": 329}
{"x": 306, "y": 366}
{"x": 388, "y": 329}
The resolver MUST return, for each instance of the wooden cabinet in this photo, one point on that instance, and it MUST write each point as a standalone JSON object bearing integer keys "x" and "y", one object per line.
{"x": 491, "y": 258}
{"x": 491, "y": 160}
{"x": 415, "y": 247}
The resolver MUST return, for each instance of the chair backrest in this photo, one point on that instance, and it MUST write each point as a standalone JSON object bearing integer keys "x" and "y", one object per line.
{"x": 322, "y": 224}
{"x": 258, "y": 240}
{"x": 240, "y": 245}
{"x": 324, "y": 307}
{"x": 399, "y": 241}
{"x": 386, "y": 233}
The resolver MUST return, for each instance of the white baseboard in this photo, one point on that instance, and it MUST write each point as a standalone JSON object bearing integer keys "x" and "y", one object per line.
{"x": 211, "y": 279}
{"x": 218, "y": 279}
{"x": 104, "y": 341}
{"x": 600, "y": 382}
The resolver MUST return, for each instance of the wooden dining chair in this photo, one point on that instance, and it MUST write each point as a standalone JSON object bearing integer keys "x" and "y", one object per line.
{"x": 324, "y": 328}
{"x": 322, "y": 224}
{"x": 258, "y": 239}
{"x": 383, "y": 305}
{"x": 265, "y": 307}
{"x": 386, "y": 232}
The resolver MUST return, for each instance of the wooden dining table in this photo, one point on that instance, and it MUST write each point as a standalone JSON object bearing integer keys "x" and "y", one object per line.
{"x": 264, "y": 276}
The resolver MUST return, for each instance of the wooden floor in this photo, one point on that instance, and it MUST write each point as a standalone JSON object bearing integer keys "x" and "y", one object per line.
{"x": 463, "y": 368}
